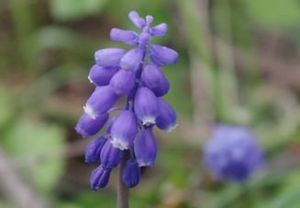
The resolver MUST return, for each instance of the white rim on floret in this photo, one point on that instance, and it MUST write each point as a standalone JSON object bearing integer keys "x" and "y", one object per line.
{"x": 88, "y": 110}
{"x": 119, "y": 143}
{"x": 148, "y": 120}
{"x": 171, "y": 127}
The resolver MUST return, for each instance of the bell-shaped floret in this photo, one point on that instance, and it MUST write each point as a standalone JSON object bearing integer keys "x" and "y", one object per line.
{"x": 102, "y": 99}
{"x": 145, "y": 148}
{"x": 87, "y": 126}
{"x": 123, "y": 130}
{"x": 99, "y": 178}
{"x": 132, "y": 59}
{"x": 146, "y": 106}
{"x": 123, "y": 82}
{"x": 167, "y": 116}
{"x": 101, "y": 76}
{"x": 153, "y": 78}
{"x": 131, "y": 173}
{"x": 93, "y": 150}
{"x": 110, "y": 156}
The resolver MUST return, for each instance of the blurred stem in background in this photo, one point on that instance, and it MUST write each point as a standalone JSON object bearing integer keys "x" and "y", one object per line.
{"x": 212, "y": 72}
{"x": 24, "y": 23}
{"x": 202, "y": 73}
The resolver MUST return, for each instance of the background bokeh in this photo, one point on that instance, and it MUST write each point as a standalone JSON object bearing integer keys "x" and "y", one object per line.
{"x": 239, "y": 63}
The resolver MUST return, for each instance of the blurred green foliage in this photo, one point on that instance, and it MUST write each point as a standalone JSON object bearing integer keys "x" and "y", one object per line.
{"x": 47, "y": 48}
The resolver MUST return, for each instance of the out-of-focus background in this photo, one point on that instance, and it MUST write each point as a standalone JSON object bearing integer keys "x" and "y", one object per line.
{"x": 239, "y": 63}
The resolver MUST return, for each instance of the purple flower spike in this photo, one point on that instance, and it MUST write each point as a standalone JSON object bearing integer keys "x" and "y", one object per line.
{"x": 232, "y": 153}
{"x": 124, "y": 36}
{"x": 131, "y": 173}
{"x": 109, "y": 57}
{"x": 87, "y": 126}
{"x": 153, "y": 78}
{"x": 101, "y": 76}
{"x": 99, "y": 178}
{"x": 123, "y": 82}
{"x": 137, "y": 75}
{"x": 146, "y": 106}
{"x": 167, "y": 116}
{"x": 159, "y": 30}
{"x": 132, "y": 59}
{"x": 123, "y": 130}
{"x": 136, "y": 19}
{"x": 145, "y": 148}
{"x": 162, "y": 55}
{"x": 110, "y": 156}
{"x": 102, "y": 99}
{"x": 93, "y": 149}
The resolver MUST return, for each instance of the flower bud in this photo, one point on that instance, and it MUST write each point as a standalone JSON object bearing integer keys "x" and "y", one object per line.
{"x": 99, "y": 177}
{"x": 132, "y": 59}
{"x": 93, "y": 149}
{"x": 145, "y": 148}
{"x": 110, "y": 156}
{"x": 146, "y": 106}
{"x": 136, "y": 19}
{"x": 87, "y": 126}
{"x": 123, "y": 130}
{"x": 167, "y": 116}
{"x": 109, "y": 57}
{"x": 123, "y": 82}
{"x": 101, "y": 76}
{"x": 162, "y": 55}
{"x": 159, "y": 30}
{"x": 102, "y": 99}
{"x": 131, "y": 173}
{"x": 125, "y": 36}
{"x": 153, "y": 78}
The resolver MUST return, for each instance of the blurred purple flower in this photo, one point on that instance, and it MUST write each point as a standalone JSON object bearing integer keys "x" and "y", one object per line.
{"x": 232, "y": 153}
{"x": 136, "y": 74}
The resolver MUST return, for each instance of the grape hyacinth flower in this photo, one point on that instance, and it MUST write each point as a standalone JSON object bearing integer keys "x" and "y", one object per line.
{"x": 232, "y": 153}
{"x": 137, "y": 75}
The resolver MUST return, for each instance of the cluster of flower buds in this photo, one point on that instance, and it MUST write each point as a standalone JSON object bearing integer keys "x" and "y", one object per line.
{"x": 137, "y": 75}
{"x": 232, "y": 153}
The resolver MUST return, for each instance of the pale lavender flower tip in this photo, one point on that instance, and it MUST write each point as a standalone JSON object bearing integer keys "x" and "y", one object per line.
{"x": 124, "y": 36}
{"x": 162, "y": 55}
{"x": 159, "y": 30}
{"x": 136, "y": 19}
{"x": 109, "y": 57}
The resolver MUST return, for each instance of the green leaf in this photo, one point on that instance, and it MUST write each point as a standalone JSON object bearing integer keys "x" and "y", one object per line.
{"x": 37, "y": 149}
{"x": 74, "y": 9}
{"x": 275, "y": 13}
